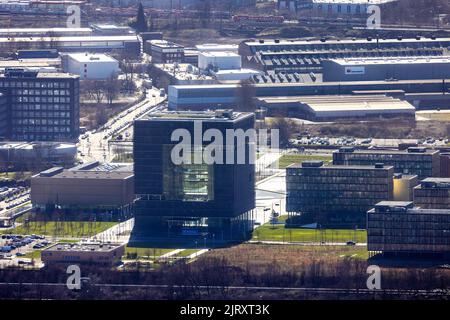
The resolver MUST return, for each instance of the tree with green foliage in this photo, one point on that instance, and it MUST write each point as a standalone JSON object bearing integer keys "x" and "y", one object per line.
{"x": 140, "y": 23}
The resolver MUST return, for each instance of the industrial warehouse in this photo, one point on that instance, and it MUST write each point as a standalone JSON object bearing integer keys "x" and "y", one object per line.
{"x": 332, "y": 108}
{"x": 90, "y": 187}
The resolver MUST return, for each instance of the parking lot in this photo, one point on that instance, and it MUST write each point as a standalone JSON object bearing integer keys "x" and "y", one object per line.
{"x": 13, "y": 248}
{"x": 11, "y": 198}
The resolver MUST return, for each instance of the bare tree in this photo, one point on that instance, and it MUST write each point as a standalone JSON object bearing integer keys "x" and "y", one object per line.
{"x": 97, "y": 90}
{"x": 285, "y": 128}
{"x": 128, "y": 69}
{"x": 112, "y": 87}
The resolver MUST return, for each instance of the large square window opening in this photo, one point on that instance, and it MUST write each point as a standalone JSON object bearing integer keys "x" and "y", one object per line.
{"x": 187, "y": 182}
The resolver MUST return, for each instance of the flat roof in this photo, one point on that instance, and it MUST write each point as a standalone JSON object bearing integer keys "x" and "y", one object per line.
{"x": 43, "y": 30}
{"x": 344, "y": 167}
{"x": 392, "y": 60}
{"x": 92, "y": 170}
{"x": 83, "y": 247}
{"x": 394, "y": 203}
{"x": 437, "y": 180}
{"x": 109, "y": 26}
{"x": 344, "y": 102}
{"x": 216, "y": 115}
{"x": 204, "y": 86}
{"x": 183, "y": 71}
{"x": 311, "y": 84}
{"x": 238, "y": 71}
{"x": 368, "y": 2}
{"x": 287, "y": 42}
{"x": 164, "y": 44}
{"x": 369, "y": 151}
{"x": 24, "y": 63}
{"x": 49, "y": 75}
{"x": 408, "y": 205}
{"x": 91, "y": 57}
{"x": 71, "y": 39}
{"x": 219, "y": 54}
{"x": 216, "y": 47}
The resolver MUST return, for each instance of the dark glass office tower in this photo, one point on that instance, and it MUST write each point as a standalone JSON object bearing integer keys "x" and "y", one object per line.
{"x": 418, "y": 161}
{"x": 193, "y": 199}
{"x": 336, "y": 195}
{"x": 397, "y": 228}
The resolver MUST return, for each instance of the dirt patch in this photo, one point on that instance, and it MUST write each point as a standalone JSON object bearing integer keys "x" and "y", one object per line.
{"x": 383, "y": 129}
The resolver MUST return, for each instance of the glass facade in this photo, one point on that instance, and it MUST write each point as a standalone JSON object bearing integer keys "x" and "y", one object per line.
{"x": 187, "y": 182}
{"x": 424, "y": 165}
{"x": 176, "y": 199}
{"x": 433, "y": 193}
{"x": 404, "y": 229}
{"x": 337, "y": 194}
{"x": 42, "y": 108}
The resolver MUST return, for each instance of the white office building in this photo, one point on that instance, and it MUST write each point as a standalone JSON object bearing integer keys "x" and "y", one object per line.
{"x": 91, "y": 66}
{"x": 219, "y": 60}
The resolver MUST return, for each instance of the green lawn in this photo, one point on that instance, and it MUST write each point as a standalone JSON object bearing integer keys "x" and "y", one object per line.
{"x": 36, "y": 254}
{"x": 187, "y": 252}
{"x": 136, "y": 253}
{"x": 267, "y": 232}
{"x": 289, "y": 159}
{"x": 61, "y": 228}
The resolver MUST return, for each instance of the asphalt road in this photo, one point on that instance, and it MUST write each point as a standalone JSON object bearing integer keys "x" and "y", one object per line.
{"x": 93, "y": 146}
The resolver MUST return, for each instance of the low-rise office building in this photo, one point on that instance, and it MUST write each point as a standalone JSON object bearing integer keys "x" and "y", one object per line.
{"x": 91, "y": 66}
{"x": 128, "y": 45}
{"x": 27, "y": 155}
{"x": 416, "y": 161}
{"x": 226, "y": 95}
{"x": 178, "y": 74}
{"x": 90, "y": 187}
{"x": 333, "y": 108}
{"x": 400, "y": 229}
{"x": 374, "y": 69}
{"x": 218, "y": 60}
{"x": 433, "y": 193}
{"x": 100, "y": 254}
{"x": 163, "y": 51}
{"x": 336, "y": 194}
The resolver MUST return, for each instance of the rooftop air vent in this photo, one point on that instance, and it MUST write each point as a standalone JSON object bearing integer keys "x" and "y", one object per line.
{"x": 347, "y": 149}
{"x": 312, "y": 164}
{"x": 417, "y": 150}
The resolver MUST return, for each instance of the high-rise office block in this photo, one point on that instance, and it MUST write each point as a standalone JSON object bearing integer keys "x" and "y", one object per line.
{"x": 414, "y": 161}
{"x": 433, "y": 193}
{"x": 399, "y": 228}
{"x": 336, "y": 194}
{"x": 41, "y": 106}
{"x": 194, "y": 198}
